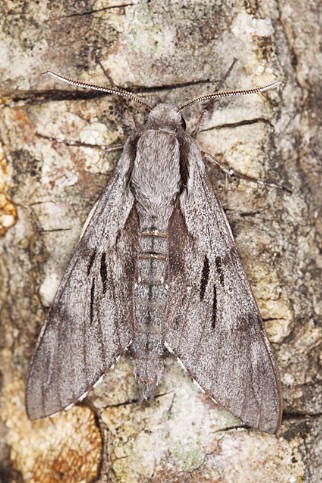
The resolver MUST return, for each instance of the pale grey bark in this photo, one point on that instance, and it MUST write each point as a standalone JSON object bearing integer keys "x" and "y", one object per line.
{"x": 172, "y": 50}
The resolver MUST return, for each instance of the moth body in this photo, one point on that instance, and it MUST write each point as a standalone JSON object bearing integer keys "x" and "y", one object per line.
{"x": 156, "y": 183}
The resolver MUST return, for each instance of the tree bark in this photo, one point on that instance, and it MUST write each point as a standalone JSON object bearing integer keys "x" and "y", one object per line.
{"x": 55, "y": 165}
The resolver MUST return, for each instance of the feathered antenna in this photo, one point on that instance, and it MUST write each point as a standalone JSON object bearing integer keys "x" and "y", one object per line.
{"x": 109, "y": 90}
{"x": 217, "y": 95}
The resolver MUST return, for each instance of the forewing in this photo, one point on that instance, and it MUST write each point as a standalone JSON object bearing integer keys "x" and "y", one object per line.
{"x": 91, "y": 319}
{"x": 214, "y": 324}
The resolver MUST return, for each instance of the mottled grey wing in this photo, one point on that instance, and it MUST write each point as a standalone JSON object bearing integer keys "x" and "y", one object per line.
{"x": 91, "y": 319}
{"x": 215, "y": 328}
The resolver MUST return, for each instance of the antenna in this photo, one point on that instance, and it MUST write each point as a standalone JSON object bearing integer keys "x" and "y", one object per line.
{"x": 217, "y": 95}
{"x": 109, "y": 90}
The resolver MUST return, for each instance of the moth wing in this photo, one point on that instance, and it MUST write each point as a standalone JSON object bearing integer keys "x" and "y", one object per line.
{"x": 90, "y": 321}
{"x": 214, "y": 326}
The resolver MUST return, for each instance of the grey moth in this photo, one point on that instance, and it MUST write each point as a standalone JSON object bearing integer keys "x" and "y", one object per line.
{"x": 156, "y": 270}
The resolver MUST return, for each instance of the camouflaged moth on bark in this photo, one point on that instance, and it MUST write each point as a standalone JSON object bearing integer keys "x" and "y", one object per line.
{"x": 156, "y": 269}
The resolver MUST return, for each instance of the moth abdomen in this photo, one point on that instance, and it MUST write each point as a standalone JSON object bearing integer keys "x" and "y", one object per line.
{"x": 150, "y": 302}
{"x": 150, "y": 288}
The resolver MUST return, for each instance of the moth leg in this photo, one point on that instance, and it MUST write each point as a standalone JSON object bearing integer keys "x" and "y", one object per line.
{"x": 128, "y": 120}
{"x": 233, "y": 173}
{"x": 208, "y": 110}
{"x": 108, "y": 77}
{"x": 71, "y": 142}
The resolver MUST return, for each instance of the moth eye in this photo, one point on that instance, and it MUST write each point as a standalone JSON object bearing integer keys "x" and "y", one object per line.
{"x": 183, "y": 123}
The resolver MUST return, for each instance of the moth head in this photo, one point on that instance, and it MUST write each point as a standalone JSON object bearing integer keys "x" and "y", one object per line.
{"x": 165, "y": 116}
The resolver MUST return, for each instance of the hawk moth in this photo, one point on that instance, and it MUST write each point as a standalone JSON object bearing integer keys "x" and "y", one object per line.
{"x": 156, "y": 269}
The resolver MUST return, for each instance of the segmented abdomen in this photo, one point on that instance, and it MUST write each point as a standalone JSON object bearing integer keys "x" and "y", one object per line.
{"x": 150, "y": 302}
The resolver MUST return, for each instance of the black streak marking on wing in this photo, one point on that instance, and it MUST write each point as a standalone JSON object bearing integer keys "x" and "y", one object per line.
{"x": 103, "y": 272}
{"x": 204, "y": 278}
{"x": 214, "y": 308}
{"x": 219, "y": 270}
{"x": 92, "y": 301}
{"x": 150, "y": 294}
{"x": 91, "y": 261}
{"x": 184, "y": 164}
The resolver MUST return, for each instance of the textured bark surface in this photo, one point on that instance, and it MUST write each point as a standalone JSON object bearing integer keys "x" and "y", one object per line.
{"x": 54, "y": 167}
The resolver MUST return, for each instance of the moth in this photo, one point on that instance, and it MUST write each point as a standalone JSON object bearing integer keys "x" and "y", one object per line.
{"x": 157, "y": 270}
